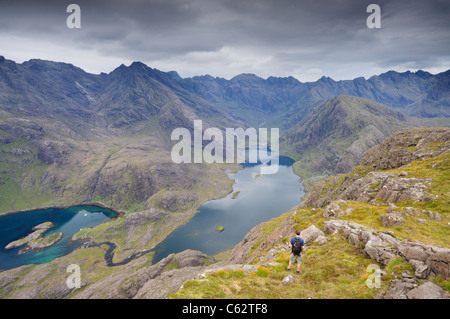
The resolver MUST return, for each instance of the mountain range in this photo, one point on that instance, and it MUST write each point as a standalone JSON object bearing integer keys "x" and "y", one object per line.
{"x": 69, "y": 137}
{"x": 59, "y": 122}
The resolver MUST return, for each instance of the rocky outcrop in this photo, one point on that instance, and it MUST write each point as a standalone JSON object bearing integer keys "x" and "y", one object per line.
{"x": 155, "y": 281}
{"x": 407, "y": 146}
{"x": 408, "y": 288}
{"x": 427, "y": 290}
{"x": 50, "y": 152}
{"x": 311, "y": 233}
{"x": 427, "y": 260}
{"x": 140, "y": 218}
{"x": 388, "y": 187}
{"x": 245, "y": 251}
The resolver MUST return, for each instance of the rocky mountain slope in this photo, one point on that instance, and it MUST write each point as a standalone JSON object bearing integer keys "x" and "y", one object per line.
{"x": 334, "y": 135}
{"x": 415, "y": 93}
{"x": 350, "y": 230}
{"x": 391, "y": 213}
{"x": 69, "y": 137}
{"x": 61, "y": 128}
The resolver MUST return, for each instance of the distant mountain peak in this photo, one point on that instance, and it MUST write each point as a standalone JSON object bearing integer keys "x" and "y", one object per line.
{"x": 246, "y": 77}
{"x": 138, "y": 64}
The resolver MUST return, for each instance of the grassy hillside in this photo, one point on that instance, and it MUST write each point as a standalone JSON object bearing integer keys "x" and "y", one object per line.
{"x": 338, "y": 268}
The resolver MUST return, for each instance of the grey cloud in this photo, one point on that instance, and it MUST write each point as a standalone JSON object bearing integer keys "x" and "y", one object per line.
{"x": 284, "y": 35}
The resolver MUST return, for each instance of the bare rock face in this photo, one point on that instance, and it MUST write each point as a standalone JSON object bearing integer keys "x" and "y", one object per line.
{"x": 406, "y": 146}
{"x": 399, "y": 288}
{"x": 421, "y": 270}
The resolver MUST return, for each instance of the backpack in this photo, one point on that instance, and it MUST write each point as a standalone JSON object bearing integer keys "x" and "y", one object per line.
{"x": 296, "y": 246}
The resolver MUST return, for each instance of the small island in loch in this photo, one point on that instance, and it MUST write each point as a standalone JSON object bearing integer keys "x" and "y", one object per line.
{"x": 220, "y": 228}
{"x": 36, "y": 240}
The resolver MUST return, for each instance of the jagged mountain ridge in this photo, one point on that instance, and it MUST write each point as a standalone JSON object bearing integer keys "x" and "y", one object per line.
{"x": 333, "y": 136}
{"x": 126, "y": 96}
{"x": 35, "y": 85}
{"x": 414, "y": 93}
{"x": 49, "y": 109}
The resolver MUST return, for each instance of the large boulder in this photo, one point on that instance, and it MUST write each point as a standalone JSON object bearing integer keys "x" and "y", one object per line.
{"x": 440, "y": 263}
{"x": 311, "y": 233}
{"x": 428, "y": 290}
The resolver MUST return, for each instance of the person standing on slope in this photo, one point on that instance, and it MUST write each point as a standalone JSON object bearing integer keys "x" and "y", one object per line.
{"x": 297, "y": 245}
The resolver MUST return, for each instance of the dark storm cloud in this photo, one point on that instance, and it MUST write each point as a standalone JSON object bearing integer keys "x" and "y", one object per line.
{"x": 306, "y": 39}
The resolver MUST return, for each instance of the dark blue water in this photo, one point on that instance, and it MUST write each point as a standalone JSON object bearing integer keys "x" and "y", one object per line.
{"x": 259, "y": 200}
{"x": 67, "y": 221}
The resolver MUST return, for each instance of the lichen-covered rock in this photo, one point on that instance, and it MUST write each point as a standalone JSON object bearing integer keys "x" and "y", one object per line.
{"x": 391, "y": 220}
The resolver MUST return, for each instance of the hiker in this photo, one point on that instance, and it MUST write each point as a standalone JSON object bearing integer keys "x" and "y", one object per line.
{"x": 297, "y": 245}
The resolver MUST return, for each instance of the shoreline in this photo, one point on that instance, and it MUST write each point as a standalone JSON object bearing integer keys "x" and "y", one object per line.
{"x": 119, "y": 213}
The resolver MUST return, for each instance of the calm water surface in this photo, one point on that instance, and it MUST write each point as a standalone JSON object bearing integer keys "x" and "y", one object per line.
{"x": 260, "y": 199}
{"x": 67, "y": 221}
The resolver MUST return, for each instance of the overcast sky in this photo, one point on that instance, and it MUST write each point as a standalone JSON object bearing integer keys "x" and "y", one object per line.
{"x": 302, "y": 38}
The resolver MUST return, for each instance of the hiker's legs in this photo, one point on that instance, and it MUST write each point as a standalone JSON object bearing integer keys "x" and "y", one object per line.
{"x": 299, "y": 262}
{"x": 292, "y": 259}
